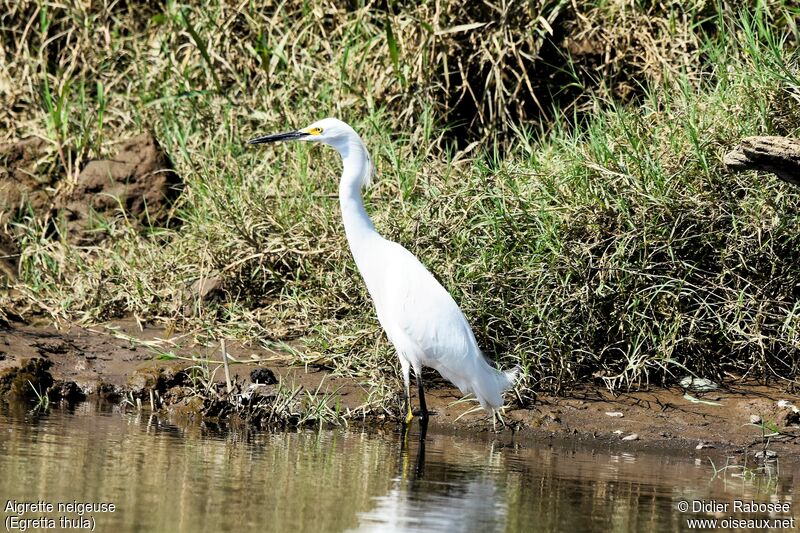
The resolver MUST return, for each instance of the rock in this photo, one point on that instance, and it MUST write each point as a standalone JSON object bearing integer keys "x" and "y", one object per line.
{"x": 703, "y": 445}
{"x": 755, "y": 419}
{"x": 614, "y": 414}
{"x": 632, "y": 436}
{"x": 139, "y": 183}
{"x": 264, "y": 376}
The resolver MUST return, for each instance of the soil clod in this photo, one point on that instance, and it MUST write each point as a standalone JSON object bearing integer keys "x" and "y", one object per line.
{"x": 264, "y": 376}
{"x": 138, "y": 182}
{"x": 28, "y": 381}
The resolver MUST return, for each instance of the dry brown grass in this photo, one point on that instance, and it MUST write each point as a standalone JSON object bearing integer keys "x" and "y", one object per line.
{"x": 76, "y": 72}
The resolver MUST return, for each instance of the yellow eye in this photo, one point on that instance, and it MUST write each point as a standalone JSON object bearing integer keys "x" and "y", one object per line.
{"x": 315, "y": 131}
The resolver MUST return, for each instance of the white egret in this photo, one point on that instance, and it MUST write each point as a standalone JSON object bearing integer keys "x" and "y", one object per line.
{"x": 421, "y": 319}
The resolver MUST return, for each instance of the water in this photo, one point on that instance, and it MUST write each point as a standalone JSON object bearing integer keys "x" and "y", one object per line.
{"x": 162, "y": 477}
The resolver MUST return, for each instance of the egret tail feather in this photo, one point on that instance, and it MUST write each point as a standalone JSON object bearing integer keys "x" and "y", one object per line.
{"x": 489, "y": 384}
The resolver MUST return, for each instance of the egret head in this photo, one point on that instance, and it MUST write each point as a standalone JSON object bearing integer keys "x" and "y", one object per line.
{"x": 335, "y": 133}
{"x": 328, "y": 131}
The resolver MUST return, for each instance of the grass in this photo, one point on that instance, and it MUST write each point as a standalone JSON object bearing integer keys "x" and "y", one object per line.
{"x": 42, "y": 398}
{"x": 583, "y": 219}
{"x": 764, "y": 478}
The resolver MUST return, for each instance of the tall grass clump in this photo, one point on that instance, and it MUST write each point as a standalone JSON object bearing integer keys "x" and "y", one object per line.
{"x": 560, "y": 174}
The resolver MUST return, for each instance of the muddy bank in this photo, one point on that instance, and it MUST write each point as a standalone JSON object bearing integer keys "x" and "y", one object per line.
{"x": 124, "y": 364}
{"x": 137, "y": 184}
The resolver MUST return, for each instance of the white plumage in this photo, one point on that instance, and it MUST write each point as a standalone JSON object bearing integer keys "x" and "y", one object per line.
{"x": 421, "y": 319}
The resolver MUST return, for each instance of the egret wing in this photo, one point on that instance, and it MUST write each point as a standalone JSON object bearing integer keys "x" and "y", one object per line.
{"x": 417, "y": 305}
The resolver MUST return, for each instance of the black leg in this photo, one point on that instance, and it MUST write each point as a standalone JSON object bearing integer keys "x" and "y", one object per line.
{"x": 419, "y": 467}
{"x": 422, "y": 407}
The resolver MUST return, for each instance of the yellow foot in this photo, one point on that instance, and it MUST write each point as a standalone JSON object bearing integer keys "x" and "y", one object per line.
{"x": 409, "y": 416}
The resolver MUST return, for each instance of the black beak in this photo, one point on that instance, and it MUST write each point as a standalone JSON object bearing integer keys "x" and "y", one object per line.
{"x": 275, "y": 137}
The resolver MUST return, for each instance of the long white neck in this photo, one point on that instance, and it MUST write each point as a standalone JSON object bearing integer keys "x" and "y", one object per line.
{"x": 355, "y": 174}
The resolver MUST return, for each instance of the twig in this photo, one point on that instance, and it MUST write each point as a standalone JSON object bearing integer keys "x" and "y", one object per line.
{"x": 779, "y": 155}
{"x": 225, "y": 364}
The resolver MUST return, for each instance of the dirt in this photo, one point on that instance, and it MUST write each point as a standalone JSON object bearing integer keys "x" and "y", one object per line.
{"x": 138, "y": 183}
{"x": 24, "y": 183}
{"x": 138, "y": 180}
{"x": 122, "y": 360}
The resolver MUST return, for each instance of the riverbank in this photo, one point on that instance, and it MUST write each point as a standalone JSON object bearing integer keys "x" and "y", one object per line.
{"x": 124, "y": 364}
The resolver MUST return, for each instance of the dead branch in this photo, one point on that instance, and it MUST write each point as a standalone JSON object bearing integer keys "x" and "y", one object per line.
{"x": 779, "y": 155}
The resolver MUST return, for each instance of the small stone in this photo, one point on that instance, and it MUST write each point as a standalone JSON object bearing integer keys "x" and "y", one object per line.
{"x": 206, "y": 288}
{"x": 618, "y": 432}
{"x": 755, "y": 419}
{"x": 766, "y": 455}
{"x": 614, "y": 414}
{"x": 632, "y": 436}
{"x": 264, "y": 376}
{"x": 702, "y": 445}
{"x": 698, "y": 384}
